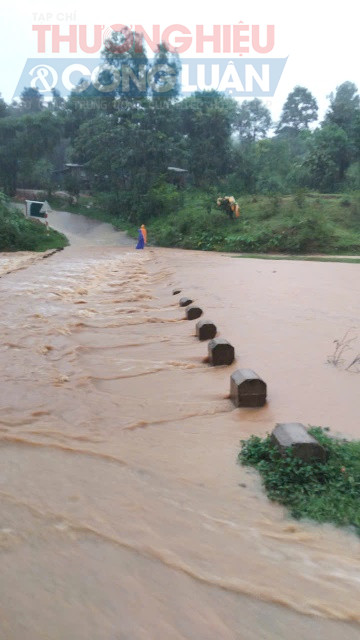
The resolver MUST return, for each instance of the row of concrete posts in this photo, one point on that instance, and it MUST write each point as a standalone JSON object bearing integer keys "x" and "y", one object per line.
{"x": 247, "y": 389}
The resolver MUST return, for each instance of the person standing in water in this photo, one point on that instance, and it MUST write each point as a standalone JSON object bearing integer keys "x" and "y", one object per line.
{"x": 144, "y": 232}
{"x": 141, "y": 241}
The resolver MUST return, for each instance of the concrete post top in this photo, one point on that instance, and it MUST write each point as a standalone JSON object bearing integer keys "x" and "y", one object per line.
{"x": 220, "y": 352}
{"x": 295, "y": 436}
{"x": 184, "y": 302}
{"x": 203, "y": 322}
{"x": 216, "y": 341}
{"x": 193, "y": 312}
{"x": 290, "y": 432}
{"x": 206, "y": 330}
{"x": 240, "y": 375}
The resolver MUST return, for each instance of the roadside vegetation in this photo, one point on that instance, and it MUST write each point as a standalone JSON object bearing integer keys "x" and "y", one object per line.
{"x": 324, "y": 492}
{"x": 303, "y": 223}
{"x": 19, "y": 234}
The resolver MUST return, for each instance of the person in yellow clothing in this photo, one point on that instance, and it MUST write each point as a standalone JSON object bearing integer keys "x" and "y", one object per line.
{"x": 144, "y": 232}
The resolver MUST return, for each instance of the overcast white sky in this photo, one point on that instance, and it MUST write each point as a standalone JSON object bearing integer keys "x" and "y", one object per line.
{"x": 320, "y": 38}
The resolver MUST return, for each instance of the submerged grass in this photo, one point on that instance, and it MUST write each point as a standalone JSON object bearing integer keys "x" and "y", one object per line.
{"x": 325, "y": 492}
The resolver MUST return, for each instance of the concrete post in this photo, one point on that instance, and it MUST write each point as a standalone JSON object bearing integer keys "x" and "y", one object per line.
{"x": 184, "y": 302}
{"x": 303, "y": 445}
{"x": 220, "y": 352}
{"x": 247, "y": 389}
{"x": 205, "y": 330}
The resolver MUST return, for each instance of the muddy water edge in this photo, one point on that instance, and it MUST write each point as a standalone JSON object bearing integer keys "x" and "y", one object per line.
{"x": 124, "y": 513}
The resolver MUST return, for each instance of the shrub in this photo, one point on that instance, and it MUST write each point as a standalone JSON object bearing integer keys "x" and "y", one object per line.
{"x": 326, "y": 492}
{"x": 19, "y": 234}
{"x": 163, "y": 199}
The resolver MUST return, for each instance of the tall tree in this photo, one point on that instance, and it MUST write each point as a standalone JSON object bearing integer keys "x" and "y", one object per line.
{"x": 124, "y": 51}
{"x": 299, "y": 110}
{"x": 344, "y": 107}
{"x": 58, "y": 103}
{"x": 207, "y": 119}
{"x": 329, "y": 158}
{"x": 31, "y": 100}
{"x": 10, "y": 146}
{"x": 3, "y": 108}
{"x": 253, "y": 120}
{"x": 164, "y": 73}
{"x": 129, "y": 151}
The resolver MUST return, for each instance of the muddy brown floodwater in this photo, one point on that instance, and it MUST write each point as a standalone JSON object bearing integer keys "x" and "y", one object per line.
{"x": 124, "y": 514}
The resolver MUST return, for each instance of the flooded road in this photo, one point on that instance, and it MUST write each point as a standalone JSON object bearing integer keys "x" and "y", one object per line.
{"x": 82, "y": 231}
{"x": 124, "y": 513}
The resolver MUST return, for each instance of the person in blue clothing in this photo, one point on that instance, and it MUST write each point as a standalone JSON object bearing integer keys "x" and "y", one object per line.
{"x": 141, "y": 241}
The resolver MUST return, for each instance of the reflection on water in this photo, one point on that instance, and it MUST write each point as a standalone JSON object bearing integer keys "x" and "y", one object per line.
{"x": 122, "y": 503}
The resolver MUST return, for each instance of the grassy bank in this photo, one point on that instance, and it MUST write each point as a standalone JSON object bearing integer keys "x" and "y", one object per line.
{"x": 312, "y": 258}
{"x": 189, "y": 219}
{"x": 19, "y": 234}
{"x": 296, "y": 225}
{"x": 327, "y": 492}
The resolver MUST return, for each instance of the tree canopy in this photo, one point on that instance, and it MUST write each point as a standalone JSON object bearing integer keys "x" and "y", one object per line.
{"x": 127, "y": 140}
{"x": 299, "y": 110}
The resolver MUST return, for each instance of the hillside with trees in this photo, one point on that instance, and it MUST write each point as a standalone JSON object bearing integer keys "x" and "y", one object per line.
{"x": 126, "y": 144}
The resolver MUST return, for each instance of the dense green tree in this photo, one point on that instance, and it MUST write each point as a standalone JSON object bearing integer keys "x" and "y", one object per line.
{"x": 329, "y": 158}
{"x": 164, "y": 75}
{"x": 245, "y": 167}
{"x": 40, "y": 133}
{"x": 253, "y": 120}
{"x": 10, "y": 153}
{"x": 40, "y": 176}
{"x": 127, "y": 152}
{"x": 299, "y": 111}
{"x": 129, "y": 139}
{"x": 58, "y": 103}
{"x": 344, "y": 110}
{"x": 207, "y": 122}
{"x": 3, "y": 108}
{"x": 124, "y": 51}
{"x": 24, "y": 141}
{"x": 31, "y": 100}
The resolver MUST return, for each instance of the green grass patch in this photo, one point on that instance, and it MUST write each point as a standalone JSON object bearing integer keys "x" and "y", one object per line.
{"x": 324, "y": 492}
{"x": 190, "y": 219}
{"x": 17, "y": 233}
{"x": 267, "y": 225}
